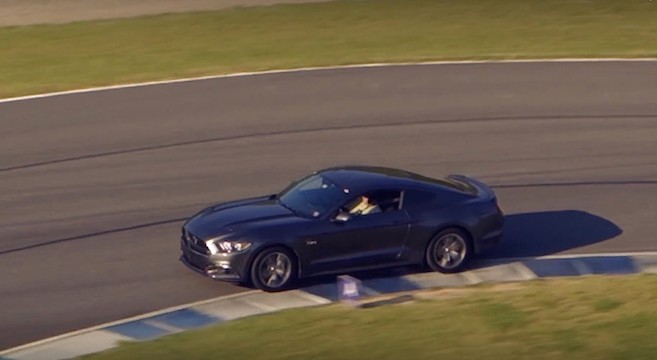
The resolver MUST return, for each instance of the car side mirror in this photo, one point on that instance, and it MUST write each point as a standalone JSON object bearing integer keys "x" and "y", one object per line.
{"x": 341, "y": 217}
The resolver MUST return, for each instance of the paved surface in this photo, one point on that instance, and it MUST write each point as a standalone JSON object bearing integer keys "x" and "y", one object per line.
{"x": 95, "y": 185}
{"x": 361, "y": 292}
{"x": 29, "y": 12}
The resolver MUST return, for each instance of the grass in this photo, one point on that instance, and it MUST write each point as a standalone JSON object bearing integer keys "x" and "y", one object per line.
{"x": 43, "y": 58}
{"x": 583, "y": 318}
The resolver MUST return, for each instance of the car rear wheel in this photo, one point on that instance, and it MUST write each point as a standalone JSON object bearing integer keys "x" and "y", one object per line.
{"x": 273, "y": 269}
{"x": 449, "y": 251}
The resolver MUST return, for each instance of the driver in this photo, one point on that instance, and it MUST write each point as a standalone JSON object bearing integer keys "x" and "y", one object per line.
{"x": 364, "y": 207}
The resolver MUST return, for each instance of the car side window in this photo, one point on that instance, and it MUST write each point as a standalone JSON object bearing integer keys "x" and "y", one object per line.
{"x": 418, "y": 199}
{"x": 374, "y": 202}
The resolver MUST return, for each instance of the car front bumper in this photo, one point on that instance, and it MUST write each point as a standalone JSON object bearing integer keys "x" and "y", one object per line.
{"x": 224, "y": 267}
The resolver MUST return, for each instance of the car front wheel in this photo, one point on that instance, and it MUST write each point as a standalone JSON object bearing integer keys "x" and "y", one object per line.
{"x": 273, "y": 269}
{"x": 449, "y": 251}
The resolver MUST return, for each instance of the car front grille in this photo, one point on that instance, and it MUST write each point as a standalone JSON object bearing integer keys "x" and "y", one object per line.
{"x": 195, "y": 242}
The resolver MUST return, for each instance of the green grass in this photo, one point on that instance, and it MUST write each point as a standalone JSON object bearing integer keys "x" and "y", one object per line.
{"x": 43, "y": 58}
{"x": 585, "y": 318}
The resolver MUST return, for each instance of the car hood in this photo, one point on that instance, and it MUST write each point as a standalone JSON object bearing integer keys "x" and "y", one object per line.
{"x": 230, "y": 217}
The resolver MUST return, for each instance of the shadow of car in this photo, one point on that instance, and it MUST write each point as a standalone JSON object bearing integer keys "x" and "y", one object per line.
{"x": 551, "y": 232}
{"x": 532, "y": 234}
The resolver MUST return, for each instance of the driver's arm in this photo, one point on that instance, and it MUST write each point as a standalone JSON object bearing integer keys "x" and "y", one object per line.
{"x": 358, "y": 208}
{"x": 371, "y": 209}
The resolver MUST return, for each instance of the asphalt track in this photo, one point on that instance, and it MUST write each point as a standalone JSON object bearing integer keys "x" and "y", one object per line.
{"x": 95, "y": 185}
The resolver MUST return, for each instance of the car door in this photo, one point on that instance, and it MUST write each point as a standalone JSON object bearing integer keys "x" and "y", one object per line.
{"x": 361, "y": 241}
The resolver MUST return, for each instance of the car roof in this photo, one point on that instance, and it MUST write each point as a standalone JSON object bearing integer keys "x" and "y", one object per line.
{"x": 361, "y": 178}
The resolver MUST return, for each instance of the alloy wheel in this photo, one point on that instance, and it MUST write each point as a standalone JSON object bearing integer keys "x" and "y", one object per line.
{"x": 275, "y": 270}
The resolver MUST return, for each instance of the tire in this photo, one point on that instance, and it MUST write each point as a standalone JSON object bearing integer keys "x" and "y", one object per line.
{"x": 452, "y": 239}
{"x": 274, "y": 269}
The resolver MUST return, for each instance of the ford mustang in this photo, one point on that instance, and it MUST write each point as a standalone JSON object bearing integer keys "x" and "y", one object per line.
{"x": 344, "y": 219}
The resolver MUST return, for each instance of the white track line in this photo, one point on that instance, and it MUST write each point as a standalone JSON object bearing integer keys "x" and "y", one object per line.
{"x": 303, "y": 69}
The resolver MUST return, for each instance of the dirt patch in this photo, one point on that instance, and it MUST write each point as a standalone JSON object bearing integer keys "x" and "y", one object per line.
{"x": 30, "y": 12}
{"x": 448, "y": 293}
{"x": 407, "y": 297}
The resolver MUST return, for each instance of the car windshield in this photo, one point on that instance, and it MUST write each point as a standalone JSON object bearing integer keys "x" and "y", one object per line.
{"x": 313, "y": 196}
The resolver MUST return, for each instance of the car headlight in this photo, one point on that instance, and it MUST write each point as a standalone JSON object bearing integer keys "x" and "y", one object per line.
{"x": 227, "y": 246}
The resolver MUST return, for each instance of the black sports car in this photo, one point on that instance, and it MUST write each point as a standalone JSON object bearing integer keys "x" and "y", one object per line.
{"x": 344, "y": 219}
